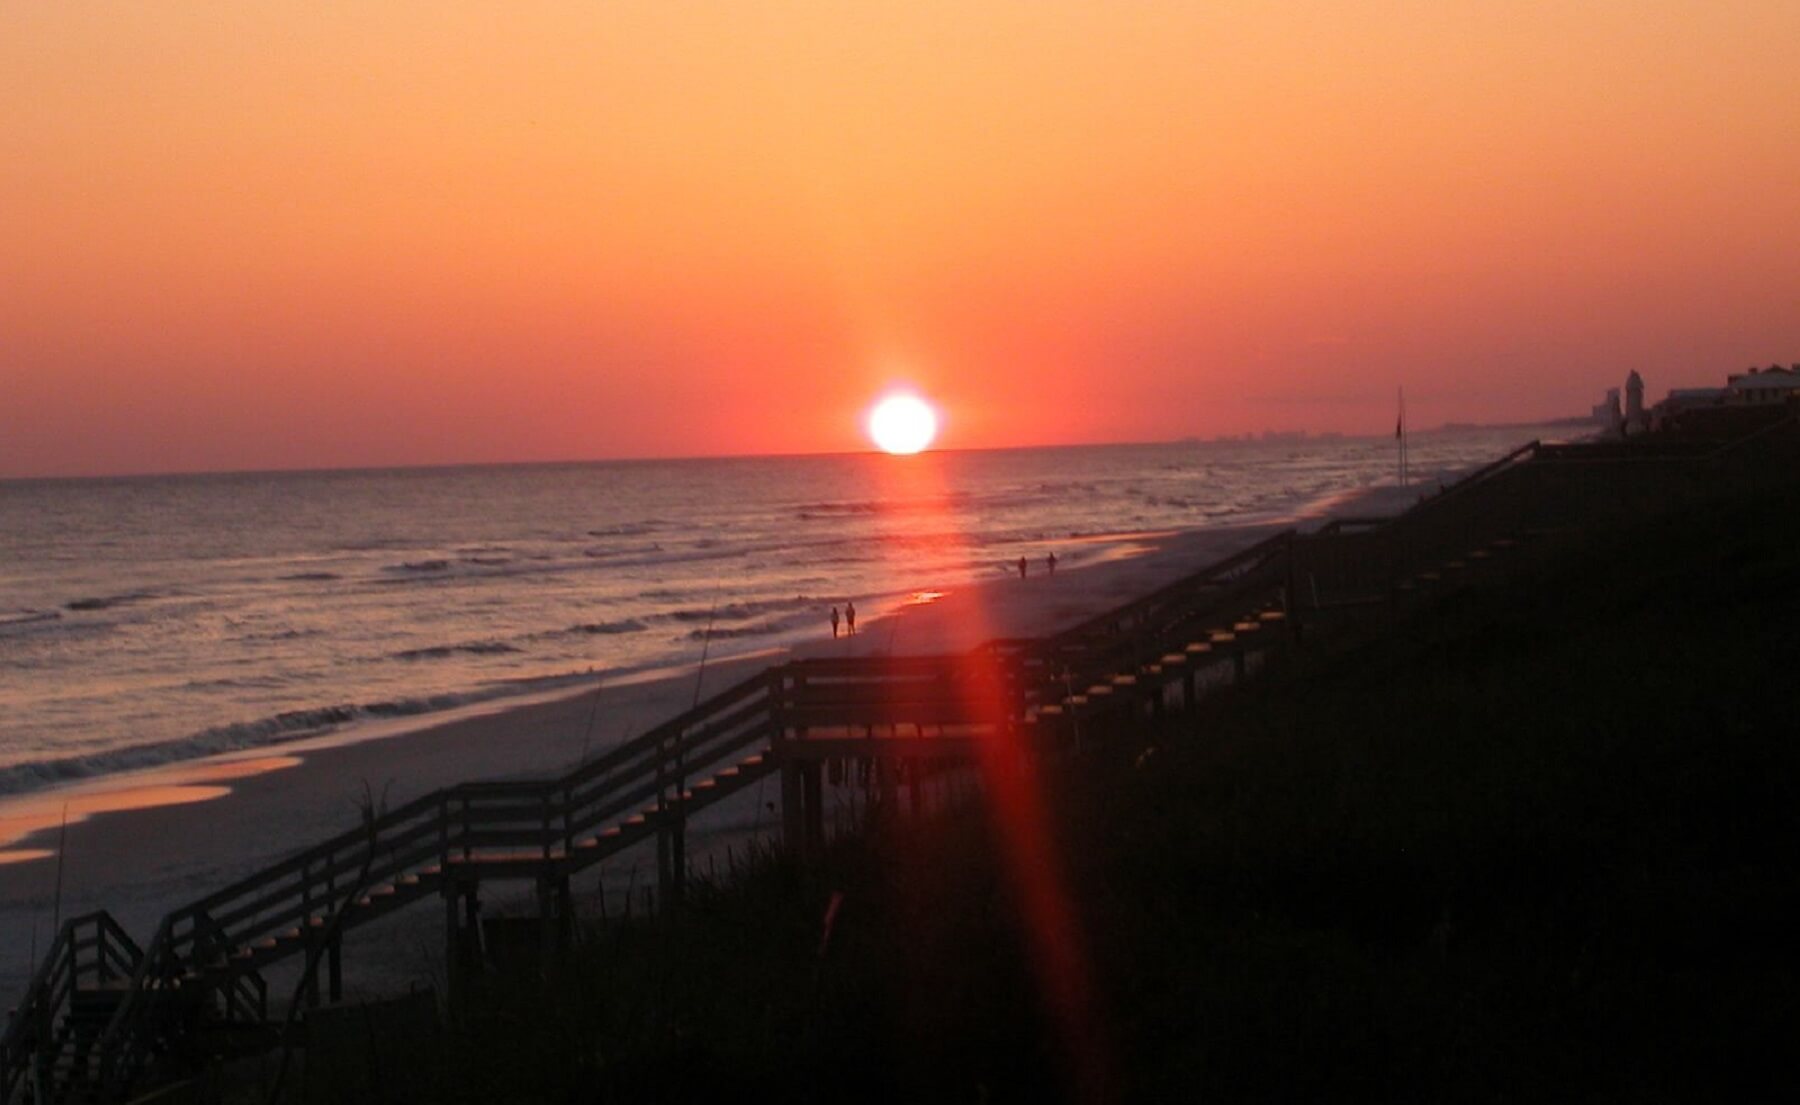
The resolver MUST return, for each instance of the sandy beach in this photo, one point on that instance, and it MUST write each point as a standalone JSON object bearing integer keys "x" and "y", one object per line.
{"x": 144, "y": 843}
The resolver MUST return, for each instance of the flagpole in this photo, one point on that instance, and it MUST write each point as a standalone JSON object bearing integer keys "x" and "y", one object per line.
{"x": 1400, "y": 437}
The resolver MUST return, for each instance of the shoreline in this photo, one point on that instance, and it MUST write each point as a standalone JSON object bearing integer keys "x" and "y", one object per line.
{"x": 142, "y": 843}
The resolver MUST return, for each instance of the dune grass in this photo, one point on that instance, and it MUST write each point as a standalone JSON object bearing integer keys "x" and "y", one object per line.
{"x": 1536, "y": 842}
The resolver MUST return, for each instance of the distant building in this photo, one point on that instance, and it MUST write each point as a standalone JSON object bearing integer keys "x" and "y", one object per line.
{"x": 1636, "y": 421}
{"x": 1607, "y": 416}
{"x": 1774, "y": 384}
{"x": 1721, "y": 411}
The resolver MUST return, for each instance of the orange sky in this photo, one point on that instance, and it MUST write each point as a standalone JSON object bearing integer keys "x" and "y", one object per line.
{"x": 248, "y": 235}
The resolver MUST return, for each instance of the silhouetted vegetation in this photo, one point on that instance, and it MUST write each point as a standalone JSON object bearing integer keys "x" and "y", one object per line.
{"x": 1535, "y": 843}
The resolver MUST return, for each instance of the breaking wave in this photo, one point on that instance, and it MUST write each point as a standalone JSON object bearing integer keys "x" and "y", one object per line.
{"x": 107, "y": 602}
{"x": 282, "y": 728}
{"x": 628, "y": 625}
{"x": 440, "y": 652}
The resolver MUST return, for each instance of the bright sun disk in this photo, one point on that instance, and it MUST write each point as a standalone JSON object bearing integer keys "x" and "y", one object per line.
{"x": 902, "y": 424}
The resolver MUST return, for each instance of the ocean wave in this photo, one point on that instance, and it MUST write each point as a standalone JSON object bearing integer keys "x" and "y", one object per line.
{"x": 955, "y": 500}
{"x": 235, "y": 683}
{"x": 609, "y": 552}
{"x": 440, "y": 652}
{"x": 288, "y": 726}
{"x": 107, "y": 602}
{"x": 270, "y": 635}
{"x": 440, "y": 571}
{"x": 727, "y": 632}
{"x": 281, "y": 728}
{"x": 740, "y": 611}
{"x": 628, "y": 625}
{"x": 418, "y": 566}
{"x": 28, "y": 617}
{"x": 311, "y": 577}
{"x": 629, "y": 529}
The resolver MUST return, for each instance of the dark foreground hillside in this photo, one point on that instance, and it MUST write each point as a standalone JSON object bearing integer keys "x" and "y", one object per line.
{"x": 1537, "y": 842}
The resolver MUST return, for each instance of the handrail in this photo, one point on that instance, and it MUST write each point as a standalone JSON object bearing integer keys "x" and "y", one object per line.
{"x": 1180, "y": 588}
{"x": 1524, "y": 453}
{"x": 53, "y": 986}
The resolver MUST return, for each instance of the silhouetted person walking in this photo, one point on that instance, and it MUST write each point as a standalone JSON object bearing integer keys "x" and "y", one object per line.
{"x": 1050, "y": 562}
{"x": 850, "y": 618}
{"x": 834, "y": 623}
{"x": 1021, "y": 567}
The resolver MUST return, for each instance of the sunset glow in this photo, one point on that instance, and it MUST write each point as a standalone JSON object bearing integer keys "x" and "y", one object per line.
{"x": 284, "y": 235}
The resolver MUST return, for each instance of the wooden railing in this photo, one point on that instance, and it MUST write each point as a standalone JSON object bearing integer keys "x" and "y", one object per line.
{"x": 89, "y": 953}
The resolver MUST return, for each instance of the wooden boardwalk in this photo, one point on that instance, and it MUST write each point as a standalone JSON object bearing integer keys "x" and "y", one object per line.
{"x": 105, "y": 1017}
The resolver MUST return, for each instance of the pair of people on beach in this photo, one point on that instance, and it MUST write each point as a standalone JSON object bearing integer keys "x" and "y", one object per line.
{"x": 849, "y": 620}
{"x": 1049, "y": 563}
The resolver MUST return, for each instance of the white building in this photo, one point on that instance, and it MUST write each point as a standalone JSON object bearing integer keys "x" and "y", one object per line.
{"x": 1774, "y": 384}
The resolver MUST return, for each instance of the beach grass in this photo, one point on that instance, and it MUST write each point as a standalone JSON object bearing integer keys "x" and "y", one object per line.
{"x": 1532, "y": 842}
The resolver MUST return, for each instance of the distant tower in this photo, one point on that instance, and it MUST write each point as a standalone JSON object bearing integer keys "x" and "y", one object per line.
{"x": 1608, "y": 416}
{"x": 1636, "y": 422}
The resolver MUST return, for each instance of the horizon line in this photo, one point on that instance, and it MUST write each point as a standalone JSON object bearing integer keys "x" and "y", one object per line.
{"x": 427, "y": 466}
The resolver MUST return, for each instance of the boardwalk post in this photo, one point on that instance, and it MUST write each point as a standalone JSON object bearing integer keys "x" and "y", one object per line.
{"x": 813, "y": 803}
{"x": 792, "y": 826}
{"x": 565, "y": 913}
{"x": 547, "y": 925}
{"x": 453, "y": 969}
{"x": 677, "y": 830}
{"x": 664, "y": 859}
{"x": 334, "y": 966}
{"x": 889, "y": 786}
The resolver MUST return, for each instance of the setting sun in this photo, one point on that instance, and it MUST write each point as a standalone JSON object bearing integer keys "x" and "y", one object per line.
{"x": 902, "y": 424}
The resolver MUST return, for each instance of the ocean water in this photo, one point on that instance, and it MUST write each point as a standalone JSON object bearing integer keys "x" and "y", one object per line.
{"x": 149, "y": 619}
